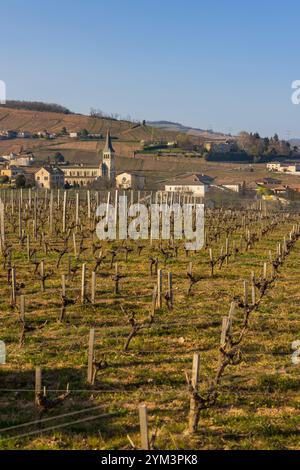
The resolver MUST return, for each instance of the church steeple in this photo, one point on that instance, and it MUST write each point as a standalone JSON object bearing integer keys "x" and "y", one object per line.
{"x": 108, "y": 165}
{"x": 108, "y": 145}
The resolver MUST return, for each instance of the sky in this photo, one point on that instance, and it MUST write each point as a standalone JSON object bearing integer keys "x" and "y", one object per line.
{"x": 211, "y": 64}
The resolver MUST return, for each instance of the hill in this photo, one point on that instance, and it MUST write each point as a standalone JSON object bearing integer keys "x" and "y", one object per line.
{"x": 35, "y": 121}
{"x": 191, "y": 131}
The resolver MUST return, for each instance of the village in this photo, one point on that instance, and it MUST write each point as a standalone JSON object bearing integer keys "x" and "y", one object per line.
{"x": 23, "y": 169}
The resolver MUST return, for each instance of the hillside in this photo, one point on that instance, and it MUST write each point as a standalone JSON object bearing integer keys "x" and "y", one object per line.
{"x": 170, "y": 126}
{"x": 35, "y": 121}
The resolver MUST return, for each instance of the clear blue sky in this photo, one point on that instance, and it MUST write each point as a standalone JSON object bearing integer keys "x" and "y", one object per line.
{"x": 206, "y": 63}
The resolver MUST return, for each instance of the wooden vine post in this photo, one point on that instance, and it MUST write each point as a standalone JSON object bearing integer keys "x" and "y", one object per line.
{"x": 170, "y": 290}
{"x": 64, "y": 212}
{"x": 143, "y": 415}
{"x": 91, "y": 356}
{"x": 193, "y": 416}
{"x": 83, "y": 284}
{"x": 93, "y": 289}
{"x": 38, "y": 381}
{"x": 13, "y": 286}
{"x": 159, "y": 288}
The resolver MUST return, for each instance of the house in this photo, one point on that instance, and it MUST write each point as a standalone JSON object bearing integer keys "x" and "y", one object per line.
{"x": 74, "y": 135}
{"x": 288, "y": 167}
{"x": 95, "y": 136}
{"x": 294, "y": 188}
{"x": 19, "y": 159}
{"x": 11, "y": 171}
{"x": 130, "y": 181}
{"x": 273, "y": 166}
{"x": 235, "y": 187}
{"x": 194, "y": 184}
{"x": 49, "y": 177}
{"x": 24, "y": 135}
{"x": 23, "y": 160}
{"x": 8, "y": 134}
{"x": 84, "y": 175}
{"x": 268, "y": 181}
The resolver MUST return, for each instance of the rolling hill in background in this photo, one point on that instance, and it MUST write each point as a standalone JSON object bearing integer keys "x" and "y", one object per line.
{"x": 170, "y": 126}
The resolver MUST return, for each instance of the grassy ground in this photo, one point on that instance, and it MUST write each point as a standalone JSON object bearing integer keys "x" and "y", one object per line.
{"x": 259, "y": 403}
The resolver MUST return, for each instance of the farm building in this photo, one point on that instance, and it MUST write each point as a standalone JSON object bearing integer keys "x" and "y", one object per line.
{"x": 194, "y": 184}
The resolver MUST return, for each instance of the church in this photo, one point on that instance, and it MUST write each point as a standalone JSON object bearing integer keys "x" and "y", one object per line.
{"x": 84, "y": 175}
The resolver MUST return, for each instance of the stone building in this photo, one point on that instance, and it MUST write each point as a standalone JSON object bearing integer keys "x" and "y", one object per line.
{"x": 130, "y": 181}
{"x": 84, "y": 175}
{"x": 49, "y": 177}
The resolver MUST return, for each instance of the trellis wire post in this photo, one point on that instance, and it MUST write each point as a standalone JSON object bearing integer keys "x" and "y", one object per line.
{"x": 91, "y": 356}
{"x": 193, "y": 416}
{"x": 143, "y": 416}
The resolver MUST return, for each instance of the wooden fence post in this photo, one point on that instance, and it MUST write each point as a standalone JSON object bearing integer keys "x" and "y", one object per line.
{"x": 13, "y": 286}
{"x": 38, "y": 380}
{"x": 227, "y": 250}
{"x": 253, "y": 294}
{"x": 193, "y": 417}
{"x": 265, "y": 271}
{"x": 246, "y": 293}
{"x": 170, "y": 289}
{"x": 224, "y": 331}
{"x": 22, "y": 307}
{"x": 89, "y": 203}
{"x": 83, "y": 273}
{"x": 63, "y": 285}
{"x": 211, "y": 259}
{"x": 64, "y": 212}
{"x": 42, "y": 273}
{"x": 74, "y": 244}
{"x": 159, "y": 288}
{"x": 51, "y": 213}
{"x": 91, "y": 356}
{"x": 77, "y": 211}
{"x": 93, "y": 296}
{"x": 2, "y": 223}
{"x": 143, "y": 415}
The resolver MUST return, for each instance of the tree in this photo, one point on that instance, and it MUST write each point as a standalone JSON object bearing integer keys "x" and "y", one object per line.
{"x": 59, "y": 158}
{"x": 4, "y": 179}
{"x": 20, "y": 181}
{"x": 84, "y": 133}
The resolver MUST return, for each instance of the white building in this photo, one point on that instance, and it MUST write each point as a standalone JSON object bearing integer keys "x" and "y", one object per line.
{"x": 195, "y": 189}
{"x": 284, "y": 167}
{"x": 19, "y": 160}
{"x": 130, "y": 181}
{"x": 273, "y": 166}
{"x": 236, "y": 188}
{"x": 194, "y": 184}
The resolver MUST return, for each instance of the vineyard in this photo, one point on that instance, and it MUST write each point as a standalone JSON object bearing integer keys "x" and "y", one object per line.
{"x": 142, "y": 344}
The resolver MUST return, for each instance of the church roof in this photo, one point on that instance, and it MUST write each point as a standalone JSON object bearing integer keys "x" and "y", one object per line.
{"x": 108, "y": 145}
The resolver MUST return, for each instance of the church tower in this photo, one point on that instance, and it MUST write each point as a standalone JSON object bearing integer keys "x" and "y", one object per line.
{"x": 108, "y": 166}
